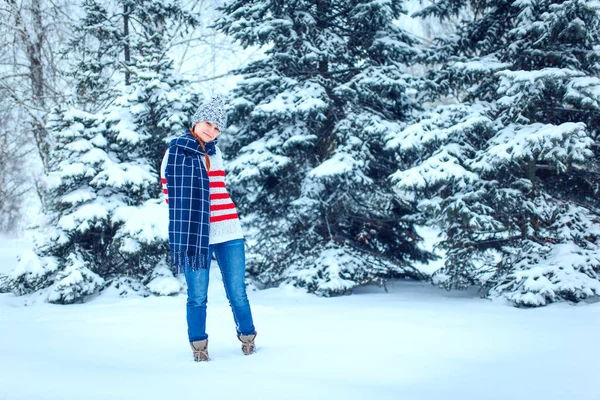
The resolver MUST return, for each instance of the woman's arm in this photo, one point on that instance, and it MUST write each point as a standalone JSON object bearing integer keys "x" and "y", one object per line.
{"x": 163, "y": 178}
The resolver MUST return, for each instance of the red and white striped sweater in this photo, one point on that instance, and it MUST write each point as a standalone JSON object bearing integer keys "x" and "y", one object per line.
{"x": 224, "y": 221}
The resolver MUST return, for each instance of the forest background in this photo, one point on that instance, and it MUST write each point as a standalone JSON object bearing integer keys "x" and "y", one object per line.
{"x": 357, "y": 128}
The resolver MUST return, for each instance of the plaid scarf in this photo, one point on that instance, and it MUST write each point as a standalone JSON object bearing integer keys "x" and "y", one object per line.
{"x": 189, "y": 203}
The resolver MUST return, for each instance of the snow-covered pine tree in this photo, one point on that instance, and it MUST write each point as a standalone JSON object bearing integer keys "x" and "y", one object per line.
{"x": 154, "y": 108}
{"x": 106, "y": 222}
{"x": 510, "y": 172}
{"x": 309, "y": 170}
{"x": 106, "y": 42}
{"x": 71, "y": 237}
{"x": 153, "y": 105}
{"x": 95, "y": 49}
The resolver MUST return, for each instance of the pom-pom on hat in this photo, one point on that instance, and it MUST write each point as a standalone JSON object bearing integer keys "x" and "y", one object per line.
{"x": 212, "y": 111}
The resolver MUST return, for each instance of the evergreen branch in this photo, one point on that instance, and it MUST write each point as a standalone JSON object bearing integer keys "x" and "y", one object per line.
{"x": 327, "y": 73}
{"x": 213, "y": 77}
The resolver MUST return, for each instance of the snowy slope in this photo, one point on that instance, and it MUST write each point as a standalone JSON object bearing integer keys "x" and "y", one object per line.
{"x": 414, "y": 342}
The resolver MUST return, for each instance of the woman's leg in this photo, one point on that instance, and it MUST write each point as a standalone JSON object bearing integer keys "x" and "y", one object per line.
{"x": 197, "y": 291}
{"x": 231, "y": 258}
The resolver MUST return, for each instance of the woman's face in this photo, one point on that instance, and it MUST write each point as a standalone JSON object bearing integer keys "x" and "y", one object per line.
{"x": 206, "y": 131}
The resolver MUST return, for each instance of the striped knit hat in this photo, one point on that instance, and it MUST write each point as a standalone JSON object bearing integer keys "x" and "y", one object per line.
{"x": 212, "y": 111}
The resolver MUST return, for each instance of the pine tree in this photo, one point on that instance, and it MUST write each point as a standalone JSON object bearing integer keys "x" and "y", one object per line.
{"x": 511, "y": 172}
{"x": 107, "y": 224}
{"x": 95, "y": 49}
{"x": 153, "y": 109}
{"x": 153, "y": 105}
{"x": 109, "y": 37}
{"x": 72, "y": 237}
{"x": 310, "y": 171}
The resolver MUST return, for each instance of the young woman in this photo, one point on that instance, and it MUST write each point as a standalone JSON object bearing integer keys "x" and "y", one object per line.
{"x": 203, "y": 220}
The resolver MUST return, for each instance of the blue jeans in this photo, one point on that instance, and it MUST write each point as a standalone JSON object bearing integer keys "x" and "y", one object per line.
{"x": 231, "y": 258}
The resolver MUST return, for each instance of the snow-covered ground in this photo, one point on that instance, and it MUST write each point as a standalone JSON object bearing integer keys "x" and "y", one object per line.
{"x": 414, "y": 342}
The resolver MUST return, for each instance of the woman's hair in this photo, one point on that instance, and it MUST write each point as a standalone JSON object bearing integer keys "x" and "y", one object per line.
{"x": 206, "y": 157}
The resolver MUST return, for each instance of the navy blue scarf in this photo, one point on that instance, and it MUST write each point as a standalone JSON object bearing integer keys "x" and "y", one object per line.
{"x": 189, "y": 203}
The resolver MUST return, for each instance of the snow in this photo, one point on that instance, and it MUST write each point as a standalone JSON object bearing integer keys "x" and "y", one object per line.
{"x": 76, "y": 279}
{"x": 163, "y": 282}
{"x": 442, "y": 166}
{"x": 426, "y": 131}
{"x": 585, "y": 89}
{"x": 99, "y": 141}
{"x": 299, "y": 139}
{"x": 564, "y": 142}
{"x": 83, "y": 215}
{"x": 415, "y": 342}
{"x": 71, "y": 170}
{"x": 300, "y": 99}
{"x": 485, "y": 65}
{"x": 327, "y": 272}
{"x": 256, "y": 157}
{"x": 145, "y": 223}
{"x": 30, "y": 264}
{"x": 125, "y": 125}
{"x": 94, "y": 156}
{"x": 123, "y": 174}
{"x": 338, "y": 164}
{"x": 532, "y": 76}
{"x": 78, "y": 196}
{"x": 79, "y": 145}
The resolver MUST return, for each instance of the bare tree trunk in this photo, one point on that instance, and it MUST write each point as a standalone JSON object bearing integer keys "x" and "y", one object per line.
{"x": 34, "y": 53}
{"x": 31, "y": 34}
{"x": 33, "y": 39}
{"x": 126, "y": 12}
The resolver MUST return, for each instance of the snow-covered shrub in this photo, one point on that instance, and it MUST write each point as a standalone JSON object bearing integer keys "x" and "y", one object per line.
{"x": 142, "y": 236}
{"x": 4, "y": 285}
{"x": 564, "y": 266}
{"x": 162, "y": 282}
{"x": 334, "y": 270}
{"x": 125, "y": 286}
{"x": 74, "y": 282}
{"x": 32, "y": 273}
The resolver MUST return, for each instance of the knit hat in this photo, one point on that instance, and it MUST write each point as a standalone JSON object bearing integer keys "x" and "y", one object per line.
{"x": 212, "y": 111}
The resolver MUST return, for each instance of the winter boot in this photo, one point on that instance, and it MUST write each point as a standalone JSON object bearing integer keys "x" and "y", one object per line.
{"x": 248, "y": 346}
{"x": 200, "y": 349}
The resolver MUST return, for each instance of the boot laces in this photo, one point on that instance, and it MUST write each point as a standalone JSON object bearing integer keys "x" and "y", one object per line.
{"x": 247, "y": 344}
{"x": 200, "y": 354}
{"x": 248, "y": 347}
